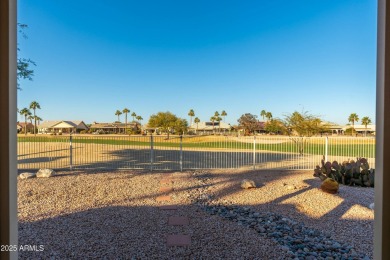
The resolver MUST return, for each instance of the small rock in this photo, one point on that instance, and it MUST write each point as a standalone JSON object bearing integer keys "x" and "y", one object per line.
{"x": 330, "y": 186}
{"x": 285, "y": 248}
{"x": 26, "y": 175}
{"x": 291, "y": 187}
{"x": 247, "y": 184}
{"x": 45, "y": 173}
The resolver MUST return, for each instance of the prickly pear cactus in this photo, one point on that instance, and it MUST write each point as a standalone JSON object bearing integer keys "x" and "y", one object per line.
{"x": 349, "y": 172}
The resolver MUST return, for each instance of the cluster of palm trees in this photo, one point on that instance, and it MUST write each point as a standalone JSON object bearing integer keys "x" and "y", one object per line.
{"x": 26, "y": 112}
{"x": 126, "y": 111}
{"x": 215, "y": 118}
{"x": 355, "y": 118}
{"x": 265, "y": 114}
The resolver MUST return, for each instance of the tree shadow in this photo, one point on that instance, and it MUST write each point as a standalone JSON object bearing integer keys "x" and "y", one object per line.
{"x": 40, "y": 159}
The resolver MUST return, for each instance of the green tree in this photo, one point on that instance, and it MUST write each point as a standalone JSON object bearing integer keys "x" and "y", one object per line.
{"x": 212, "y": 119}
{"x": 366, "y": 121}
{"x": 118, "y": 113}
{"x": 300, "y": 126}
{"x": 133, "y": 115}
{"x": 34, "y": 105}
{"x": 180, "y": 126}
{"x": 191, "y": 113}
{"x": 353, "y": 118}
{"x": 38, "y": 119}
{"x": 139, "y": 118}
{"x": 196, "y": 121}
{"x": 31, "y": 117}
{"x": 218, "y": 119}
{"x": 263, "y": 113}
{"x": 223, "y": 114}
{"x": 275, "y": 126}
{"x": 165, "y": 121}
{"x": 268, "y": 115}
{"x": 26, "y": 113}
{"x": 125, "y": 111}
{"x": 248, "y": 122}
{"x": 24, "y": 66}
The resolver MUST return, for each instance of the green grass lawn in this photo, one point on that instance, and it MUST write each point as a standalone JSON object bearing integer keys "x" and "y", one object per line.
{"x": 342, "y": 149}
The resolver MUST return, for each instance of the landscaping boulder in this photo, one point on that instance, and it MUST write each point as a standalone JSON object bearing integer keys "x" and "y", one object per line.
{"x": 247, "y": 184}
{"x": 45, "y": 173}
{"x": 26, "y": 175}
{"x": 330, "y": 186}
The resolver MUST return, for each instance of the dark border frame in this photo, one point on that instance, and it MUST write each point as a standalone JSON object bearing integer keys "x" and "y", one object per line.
{"x": 8, "y": 170}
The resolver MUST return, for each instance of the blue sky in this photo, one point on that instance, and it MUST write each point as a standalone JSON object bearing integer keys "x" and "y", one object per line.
{"x": 94, "y": 57}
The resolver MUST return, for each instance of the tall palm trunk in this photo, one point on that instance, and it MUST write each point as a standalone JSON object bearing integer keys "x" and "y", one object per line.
{"x": 25, "y": 125}
{"x": 35, "y": 122}
{"x": 125, "y": 123}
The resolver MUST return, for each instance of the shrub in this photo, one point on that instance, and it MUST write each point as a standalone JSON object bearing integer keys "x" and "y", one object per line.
{"x": 83, "y": 131}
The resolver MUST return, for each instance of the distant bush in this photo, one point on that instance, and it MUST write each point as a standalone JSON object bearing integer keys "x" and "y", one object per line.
{"x": 83, "y": 131}
{"x": 350, "y": 131}
{"x": 133, "y": 131}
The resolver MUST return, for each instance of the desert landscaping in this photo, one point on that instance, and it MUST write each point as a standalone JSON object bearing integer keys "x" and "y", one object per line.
{"x": 121, "y": 214}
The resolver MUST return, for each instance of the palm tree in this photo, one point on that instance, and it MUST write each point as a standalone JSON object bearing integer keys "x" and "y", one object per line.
{"x": 139, "y": 118}
{"x": 353, "y": 118}
{"x": 35, "y": 105}
{"x": 25, "y": 112}
{"x": 218, "y": 119}
{"x": 196, "y": 121}
{"x": 191, "y": 113}
{"x": 133, "y": 115}
{"x": 38, "y": 119}
{"x": 118, "y": 113}
{"x": 212, "y": 119}
{"x": 125, "y": 111}
{"x": 263, "y": 113}
{"x": 30, "y": 117}
{"x": 224, "y": 114}
{"x": 268, "y": 115}
{"x": 366, "y": 121}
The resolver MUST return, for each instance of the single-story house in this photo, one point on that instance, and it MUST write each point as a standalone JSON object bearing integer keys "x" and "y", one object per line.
{"x": 361, "y": 129}
{"x": 340, "y": 130}
{"x": 209, "y": 127}
{"x": 20, "y": 126}
{"x": 61, "y": 127}
{"x": 113, "y": 128}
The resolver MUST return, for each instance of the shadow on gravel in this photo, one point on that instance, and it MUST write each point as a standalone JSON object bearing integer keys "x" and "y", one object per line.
{"x": 121, "y": 232}
{"x": 163, "y": 159}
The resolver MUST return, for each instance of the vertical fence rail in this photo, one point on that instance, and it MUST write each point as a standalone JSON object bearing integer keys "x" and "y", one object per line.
{"x": 70, "y": 153}
{"x": 254, "y": 152}
{"x": 181, "y": 153}
{"x": 151, "y": 153}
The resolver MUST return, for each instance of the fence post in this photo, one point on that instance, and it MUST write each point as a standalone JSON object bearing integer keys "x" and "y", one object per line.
{"x": 254, "y": 152}
{"x": 70, "y": 152}
{"x": 326, "y": 148}
{"x": 151, "y": 152}
{"x": 181, "y": 153}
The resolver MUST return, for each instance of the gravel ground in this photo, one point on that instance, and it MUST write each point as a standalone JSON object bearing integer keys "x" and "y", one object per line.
{"x": 114, "y": 214}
